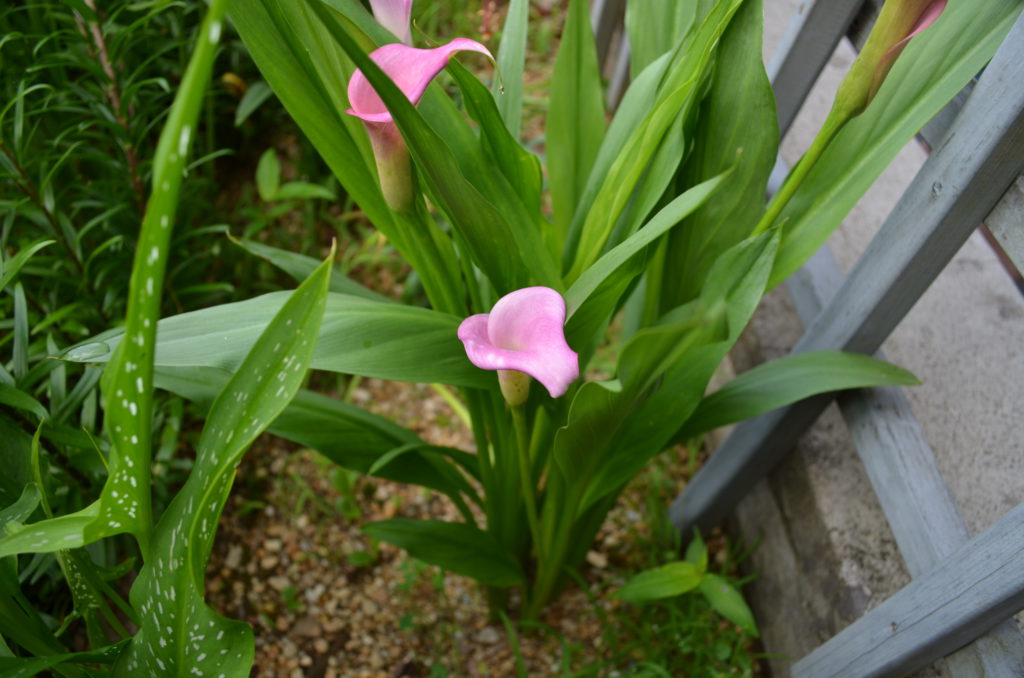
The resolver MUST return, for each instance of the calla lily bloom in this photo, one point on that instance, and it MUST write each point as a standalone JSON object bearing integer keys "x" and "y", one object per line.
{"x": 394, "y": 15}
{"x": 412, "y": 70}
{"x": 523, "y": 334}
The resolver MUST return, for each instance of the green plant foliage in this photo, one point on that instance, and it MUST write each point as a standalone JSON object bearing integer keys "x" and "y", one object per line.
{"x": 575, "y": 124}
{"x": 662, "y": 582}
{"x": 930, "y": 71}
{"x": 787, "y": 380}
{"x": 458, "y": 547}
{"x": 358, "y": 336}
{"x": 178, "y": 633}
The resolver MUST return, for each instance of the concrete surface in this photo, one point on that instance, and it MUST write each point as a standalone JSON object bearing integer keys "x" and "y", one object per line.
{"x": 827, "y": 554}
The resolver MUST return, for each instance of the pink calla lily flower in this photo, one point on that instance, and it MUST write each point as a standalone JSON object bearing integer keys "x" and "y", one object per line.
{"x": 524, "y": 332}
{"x": 394, "y": 15}
{"x": 411, "y": 69}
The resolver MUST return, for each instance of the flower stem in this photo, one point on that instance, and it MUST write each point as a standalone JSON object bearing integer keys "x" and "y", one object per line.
{"x": 526, "y": 476}
{"x": 835, "y": 122}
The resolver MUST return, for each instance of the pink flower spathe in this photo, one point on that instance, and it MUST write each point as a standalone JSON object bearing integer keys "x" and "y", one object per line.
{"x": 410, "y": 68}
{"x": 524, "y": 332}
{"x": 394, "y": 15}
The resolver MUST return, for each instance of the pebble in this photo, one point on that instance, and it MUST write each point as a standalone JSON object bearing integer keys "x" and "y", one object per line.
{"x": 307, "y": 626}
{"x": 234, "y": 557}
{"x": 488, "y": 635}
{"x": 279, "y": 583}
{"x": 269, "y": 562}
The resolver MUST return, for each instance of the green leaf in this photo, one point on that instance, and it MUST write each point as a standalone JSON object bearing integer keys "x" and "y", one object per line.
{"x": 304, "y": 190}
{"x": 575, "y": 122}
{"x": 17, "y": 458}
{"x": 21, "y": 337}
{"x": 511, "y": 60}
{"x": 457, "y": 547}
{"x": 595, "y": 294}
{"x": 697, "y": 552}
{"x": 728, "y": 602}
{"x": 257, "y": 93}
{"x": 661, "y": 582}
{"x": 268, "y": 175}
{"x": 358, "y": 336}
{"x": 933, "y": 68}
{"x": 179, "y": 634}
{"x": 520, "y": 167}
{"x": 678, "y": 93}
{"x": 299, "y": 266}
{"x": 347, "y": 435}
{"x": 654, "y": 28}
{"x": 9, "y": 395}
{"x": 738, "y": 129}
{"x": 787, "y": 380}
{"x": 25, "y": 667}
{"x": 10, "y": 267}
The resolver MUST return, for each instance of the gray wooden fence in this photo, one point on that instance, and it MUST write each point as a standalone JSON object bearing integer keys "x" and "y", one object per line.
{"x": 964, "y": 590}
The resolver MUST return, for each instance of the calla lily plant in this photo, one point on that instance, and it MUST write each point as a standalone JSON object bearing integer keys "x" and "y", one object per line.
{"x": 654, "y": 254}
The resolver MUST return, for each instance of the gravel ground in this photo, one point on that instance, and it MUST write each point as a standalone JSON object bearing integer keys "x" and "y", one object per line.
{"x": 291, "y": 560}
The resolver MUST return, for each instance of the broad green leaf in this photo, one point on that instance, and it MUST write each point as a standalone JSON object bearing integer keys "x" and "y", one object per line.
{"x": 357, "y": 336}
{"x": 930, "y": 71}
{"x": 457, "y": 547}
{"x": 179, "y": 635}
{"x": 728, "y": 602}
{"x": 520, "y": 167}
{"x": 299, "y": 266}
{"x": 257, "y": 93}
{"x": 268, "y": 175}
{"x": 10, "y": 267}
{"x": 303, "y": 190}
{"x": 347, "y": 435}
{"x": 737, "y": 128}
{"x": 511, "y": 60}
{"x": 787, "y": 380}
{"x": 654, "y": 28}
{"x": 575, "y": 122}
{"x": 595, "y": 294}
{"x": 677, "y": 94}
{"x": 734, "y": 285}
{"x": 666, "y": 581}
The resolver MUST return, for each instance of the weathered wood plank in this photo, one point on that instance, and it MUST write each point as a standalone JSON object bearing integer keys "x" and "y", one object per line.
{"x": 1006, "y": 223}
{"x": 606, "y": 18}
{"x": 958, "y": 186}
{"x": 809, "y": 41}
{"x": 979, "y": 585}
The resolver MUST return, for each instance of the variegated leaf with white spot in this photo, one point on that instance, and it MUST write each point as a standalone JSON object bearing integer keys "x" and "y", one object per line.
{"x": 179, "y": 635}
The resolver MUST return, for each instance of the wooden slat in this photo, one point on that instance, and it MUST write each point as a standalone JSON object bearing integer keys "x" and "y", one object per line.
{"x": 975, "y": 588}
{"x": 809, "y": 41}
{"x": 959, "y": 184}
{"x": 1006, "y": 223}
{"x": 606, "y": 17}
{"x": 917, "y": 503}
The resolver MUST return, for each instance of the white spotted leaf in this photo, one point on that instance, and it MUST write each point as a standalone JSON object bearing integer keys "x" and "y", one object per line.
{"x": 179, "y": 635}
